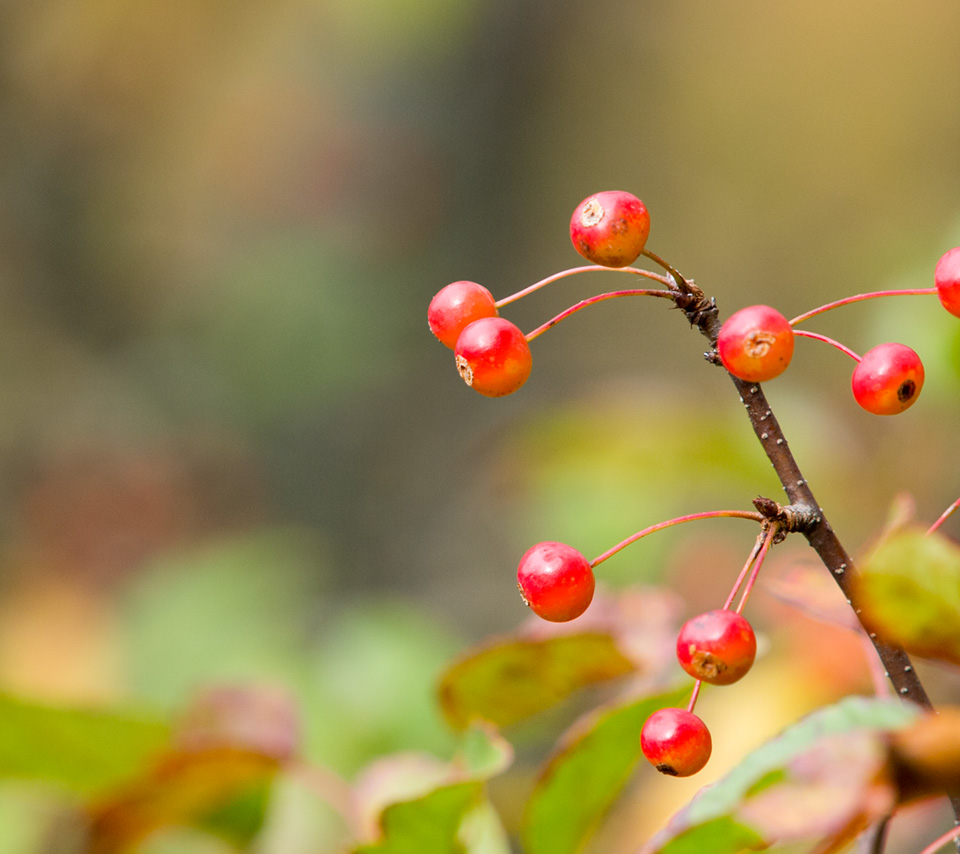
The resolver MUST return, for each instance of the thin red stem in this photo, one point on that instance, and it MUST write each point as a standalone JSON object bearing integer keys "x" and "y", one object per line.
{"x": 818, "y": 337}
{"x": 940, "y": 841}
{"x": 592, "y": 268}
{"x": 632, "y": 292}
{"x": 944, "y": 516}
{"x": 743, "y": 572}
{"x": 878, "y": 676}
{"x": 693, "y": 697}
{"x": 768, "y": 537}
{"x": 693, "y": 517}
{"x": 858, "y": 298}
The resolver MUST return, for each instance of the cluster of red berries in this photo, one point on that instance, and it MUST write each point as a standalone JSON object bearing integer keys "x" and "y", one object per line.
{"x": 556, "y": 581}
{"x": 718, "y": 648}
{"x": 755, "y": 344}
{"x": 492, "y": 354}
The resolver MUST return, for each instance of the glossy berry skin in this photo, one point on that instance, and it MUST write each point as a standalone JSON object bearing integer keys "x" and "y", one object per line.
{"x": 717, "y": 647}
{"x": 888, "y": 379}
{"x": 610, "y": 228}
{"x": 493, "y": 356}
{"x": 676, "y": 742}
{"x": 947, "y": 279}
{"x": 756, "y": 343}
{"x": 555, "y": 581}
{"x": 455, "y": 307}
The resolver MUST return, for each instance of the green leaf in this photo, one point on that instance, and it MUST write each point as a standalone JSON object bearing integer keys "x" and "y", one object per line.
{"x": 514, "y": 678}
{"x": 833, "y": 761}
{"x": 430, "y": 823}
{"x": 587, "y": 773}
{"x": 85, "y": 751}
{"x": 910, "y": 592}
{"x": 420, "y": 804}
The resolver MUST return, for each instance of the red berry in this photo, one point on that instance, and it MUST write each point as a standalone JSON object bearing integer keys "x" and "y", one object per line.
{"x": 556, "y": 581}
{"x": 456, "y": 306}
{"x": 756, "y": 343}
{"x": 493, "y": 356}
{"x": 717, "y": 647}
{"x": 676, "y": 741}
{"x": 888, "y": 379}
{"x": 947, "y": 279}
{"x": 610, "y": 228}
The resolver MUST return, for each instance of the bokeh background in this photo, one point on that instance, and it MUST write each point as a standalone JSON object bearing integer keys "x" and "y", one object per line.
{"x": 231, "y": 450}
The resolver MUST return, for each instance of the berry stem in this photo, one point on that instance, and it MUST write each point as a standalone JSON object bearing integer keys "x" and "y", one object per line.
{"x": 768, "y": 536}
{"x": 693, "y": 697}
{"x": 940, "y": 841}
{"x": 859, "y": 298}
{"x": 592, "y": 268}
{"x": 632, "y": 292}
{"x": 693, "y": 517}
{"x": 878, "y": 677}
{"x": 833, "y": 342}
{"x": 680, "y": 283}
{"x": 744, "y": 572}
{"x": 944, "y": 516}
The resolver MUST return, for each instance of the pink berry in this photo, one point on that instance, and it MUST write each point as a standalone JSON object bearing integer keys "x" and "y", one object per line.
{"x": 756, "y": 343}
{"x": 676, "y": 742}
{"x": 556, "y": 581}
{"x": 455, "y": 307}
{"x": 493, "y": 356}
{"x": 947, "y": 279}
{"x": 610, "y": 228}
{"x": 888, "y": 379}
{"x": 717, "y": 647}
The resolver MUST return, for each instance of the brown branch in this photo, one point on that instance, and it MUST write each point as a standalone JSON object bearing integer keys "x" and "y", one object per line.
{"x": 821, "y": 535}
{"x": 813, "y": 523}
{"x": 703, "y": 313}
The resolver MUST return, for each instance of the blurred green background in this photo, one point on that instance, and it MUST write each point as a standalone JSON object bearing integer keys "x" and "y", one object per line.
{"x": 229, "y": 446}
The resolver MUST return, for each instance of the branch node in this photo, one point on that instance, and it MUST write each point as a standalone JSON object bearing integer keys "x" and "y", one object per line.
{"x": 793, "y": 518}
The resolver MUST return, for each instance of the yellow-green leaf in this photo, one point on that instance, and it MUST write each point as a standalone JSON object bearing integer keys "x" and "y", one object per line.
{"x": 909, "y": 592}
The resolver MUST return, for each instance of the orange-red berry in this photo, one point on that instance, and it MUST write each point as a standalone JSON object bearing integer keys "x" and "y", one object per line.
{"x": 493, "y": 356}
{"x": 888, "y": 379}
{"x": 556, "y": 581}
{"x": 756, "y": 343}
{"x": 947, "y": 279}
{"x": 717, "y": 647}
{"x": 676, "y": 742}
{"x": 610, "y": 228}
{"x": 456, "y": 306}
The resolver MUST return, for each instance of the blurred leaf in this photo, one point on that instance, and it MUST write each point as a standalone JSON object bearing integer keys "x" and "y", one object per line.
{"x": 83, "y": 750}
{"x": 430, "y": 823}
{"x": 831, "y": 767}
{"x": 910, "y": 592}
{"x": 519, "y": 675}
{"x": 215, "y": 773}
{"x": 926, "y": 754}
{"x": 194, "y": 787}
{"x": 514, "y": 678}
{"x": 586, "y": 774}
{"x": 444, "y": 806}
